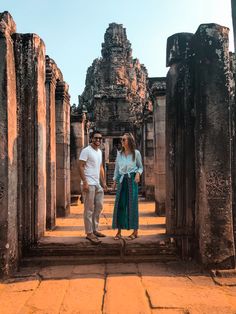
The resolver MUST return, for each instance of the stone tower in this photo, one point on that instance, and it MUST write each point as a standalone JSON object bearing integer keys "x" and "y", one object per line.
{"x": 116, "y": 87}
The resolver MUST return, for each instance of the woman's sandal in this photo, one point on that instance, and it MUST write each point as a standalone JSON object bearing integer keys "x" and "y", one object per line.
{"x": 118, "y": 237}
{"x": 132, "y": 237}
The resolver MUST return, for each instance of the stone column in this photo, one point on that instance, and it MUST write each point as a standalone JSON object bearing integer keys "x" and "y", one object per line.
{"x": 51, "y": 78}
{"x": 214, "y": 223}
{"x": 8, "y": 149}
{"x": 233, "y": 69}
{"x": 233, "y": 6}
{"x": 31, "y": 102}
{"x": 76, "y": 145}
{"x": 180, "y": 183}
{"x": 148, "y": 156}
{"x": 62, "y": 149}
{"x": 158, "y": 96}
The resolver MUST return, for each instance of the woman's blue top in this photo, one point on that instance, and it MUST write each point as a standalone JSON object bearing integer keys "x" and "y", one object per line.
{"x": 126, "y": 165}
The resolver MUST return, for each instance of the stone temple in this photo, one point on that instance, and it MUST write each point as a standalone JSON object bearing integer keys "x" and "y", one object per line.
{"x": 184, "y": 125}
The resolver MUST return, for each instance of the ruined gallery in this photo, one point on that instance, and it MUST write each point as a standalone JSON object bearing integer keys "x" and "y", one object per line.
{"x": 184, "y": 125}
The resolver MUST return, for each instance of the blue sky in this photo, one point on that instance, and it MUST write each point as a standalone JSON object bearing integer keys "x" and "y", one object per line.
{"x": 73, "y": 30}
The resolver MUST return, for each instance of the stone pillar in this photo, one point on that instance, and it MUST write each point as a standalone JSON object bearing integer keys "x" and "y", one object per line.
{"x": 180, "y": 181}
{"x": 148, "y": 156}
{"x": 31, "y": 102}
{"x": 233, "y": 70}
{"x": 62, "y": 149}
{"x": 233, "y": 6}
{"x": 76, "y": 145}
{"x": 214, "y": 223}
{"x": 8, "y": 149}
{"x": 51, "y": 79}
{"x": 158, "y": 96}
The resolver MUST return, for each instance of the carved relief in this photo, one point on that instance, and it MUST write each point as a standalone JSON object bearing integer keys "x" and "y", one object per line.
{"x": 217, "y": 185}
{"x": 2, "y": 190}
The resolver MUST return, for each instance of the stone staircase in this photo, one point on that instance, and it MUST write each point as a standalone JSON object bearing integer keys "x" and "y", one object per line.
{"x": 54, "y": 251}
{"x": 66, "y": 244}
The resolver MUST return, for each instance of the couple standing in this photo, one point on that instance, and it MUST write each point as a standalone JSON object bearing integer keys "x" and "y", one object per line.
{"x": 128, "y": 169}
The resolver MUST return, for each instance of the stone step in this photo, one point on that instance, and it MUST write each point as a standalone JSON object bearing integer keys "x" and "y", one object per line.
{"x": 87, "y": 260}
{"x": 57, "y": 251}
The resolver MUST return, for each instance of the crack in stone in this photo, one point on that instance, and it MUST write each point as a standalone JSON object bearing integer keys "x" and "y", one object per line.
{"x": 104, "y": 288}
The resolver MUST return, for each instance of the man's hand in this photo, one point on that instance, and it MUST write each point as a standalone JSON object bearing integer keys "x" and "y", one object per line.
{"x": 137, "y": 177}
{"x": 105, "y": 188}
{"x": 85, "y": 187}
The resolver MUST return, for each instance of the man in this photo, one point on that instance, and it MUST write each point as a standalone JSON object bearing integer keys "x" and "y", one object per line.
{"x": 91, "y": 173}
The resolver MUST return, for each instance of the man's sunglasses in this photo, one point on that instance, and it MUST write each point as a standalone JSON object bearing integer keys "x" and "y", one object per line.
{"x": 97, "y": 138}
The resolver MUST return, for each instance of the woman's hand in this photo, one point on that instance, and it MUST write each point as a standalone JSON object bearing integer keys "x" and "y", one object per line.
{"x": 137, "y": 177}
{"x": 114, "y": 185}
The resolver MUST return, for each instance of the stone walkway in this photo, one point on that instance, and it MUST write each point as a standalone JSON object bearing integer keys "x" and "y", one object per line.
{"x": 170, "y": 287}
{"x": 73, "y": 225}
{"x": 167, "y": 288}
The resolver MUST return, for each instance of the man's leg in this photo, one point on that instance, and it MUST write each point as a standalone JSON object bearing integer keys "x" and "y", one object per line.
{"x": 98, "y": 205}
{"x": 88, "y": 199}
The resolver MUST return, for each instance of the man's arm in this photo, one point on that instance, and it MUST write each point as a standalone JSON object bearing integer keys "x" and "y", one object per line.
{"x": 102, "y": 177}
{"x": 82, "y": 175}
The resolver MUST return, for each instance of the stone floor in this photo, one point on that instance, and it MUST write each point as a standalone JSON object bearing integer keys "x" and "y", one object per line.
{"x": 73, "y": 226}
{"x": 158, "y": 287}
{"x": 167, "y": 288}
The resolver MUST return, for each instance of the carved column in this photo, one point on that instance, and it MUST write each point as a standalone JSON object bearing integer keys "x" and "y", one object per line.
{"x": 180, "y": 183}
{"x": 31, "y": 102}
{"x": 62, "y": 149}
{"x": 51, "y": 79}
{"x": 8, "y": 149}
{"x": 214, "y": 223}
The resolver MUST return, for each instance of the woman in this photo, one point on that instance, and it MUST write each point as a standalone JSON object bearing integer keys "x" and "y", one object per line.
{"x": 128, "y": 169}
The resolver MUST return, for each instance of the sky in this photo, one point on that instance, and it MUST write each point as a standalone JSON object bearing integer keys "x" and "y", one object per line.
{"x": 73, "y": 30}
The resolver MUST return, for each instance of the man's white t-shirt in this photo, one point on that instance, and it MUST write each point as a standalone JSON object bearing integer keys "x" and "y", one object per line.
{"x": 93, "y": 159}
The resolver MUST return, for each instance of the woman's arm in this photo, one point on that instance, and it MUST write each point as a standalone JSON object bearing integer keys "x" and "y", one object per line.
{"x": 139, "y": 163}
{"x": 116, "y": 172}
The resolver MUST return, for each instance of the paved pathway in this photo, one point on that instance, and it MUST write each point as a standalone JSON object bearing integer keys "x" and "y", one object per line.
{"x": 73, "y": 225}
{"x": 168, "y": 288}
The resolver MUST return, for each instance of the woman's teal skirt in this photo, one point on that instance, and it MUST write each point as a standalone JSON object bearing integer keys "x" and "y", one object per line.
{"x": 125, "y": 214}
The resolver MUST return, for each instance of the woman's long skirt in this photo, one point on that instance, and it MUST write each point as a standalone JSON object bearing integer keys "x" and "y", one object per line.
{"x": 125, "y": 214}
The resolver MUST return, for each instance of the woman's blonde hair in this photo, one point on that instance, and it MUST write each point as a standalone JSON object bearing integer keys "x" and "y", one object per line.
{"x": 131, "y": 144}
